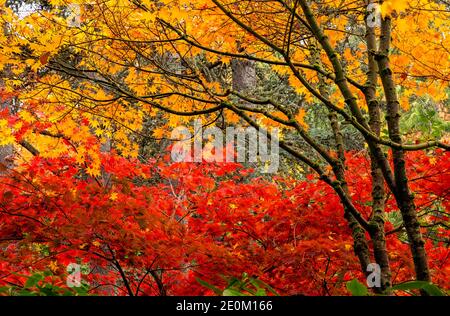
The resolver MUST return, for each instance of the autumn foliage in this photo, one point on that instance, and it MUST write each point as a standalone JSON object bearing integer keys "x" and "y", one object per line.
{"x": 158, "y": 226}
{"x": 356, "y": 93}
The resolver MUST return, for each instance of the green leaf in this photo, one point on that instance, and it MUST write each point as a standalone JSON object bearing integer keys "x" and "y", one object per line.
{"x": 261, "y": 292}
{"x": 248, "y": 290}
{"x": 48, "y": 291}
{"x": 33, "y": 280}
{"x": 234, "y": 281}
{"x": 232, "y": 292}
{"x": 82, "y": 290}
{"x": 428, "y": 287}
{"x": 266, "y": 286}
{"x": 356, "y": 288}
{"x": 26, "y": 293}
{"x": 4, "y": 289}
{"x": 209, "y": 286}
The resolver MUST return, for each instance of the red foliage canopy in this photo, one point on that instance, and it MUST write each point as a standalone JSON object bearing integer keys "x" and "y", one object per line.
{"x": 150, "y": 229}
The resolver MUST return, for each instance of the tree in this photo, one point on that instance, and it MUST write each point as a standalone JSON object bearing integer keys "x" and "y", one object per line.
{"x": 126, "y": 60}
{"x": 204, "y": 220}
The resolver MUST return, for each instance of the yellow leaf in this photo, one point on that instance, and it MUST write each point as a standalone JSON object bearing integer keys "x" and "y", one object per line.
{"x": 53, "y": 266}
{"x": 300, "y": 118}
{"x": 113, "y": 196}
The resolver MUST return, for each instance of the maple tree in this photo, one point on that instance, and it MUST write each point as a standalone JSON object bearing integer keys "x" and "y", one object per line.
{"x": 205, "y": 220}
{"x": 85, "y": 74}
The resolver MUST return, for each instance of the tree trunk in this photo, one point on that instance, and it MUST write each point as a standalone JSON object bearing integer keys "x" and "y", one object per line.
{"x": 377, "y": 230}
{"x": 403, "y": 196}
{"x": 6, "y": 152}
{"x": 244, "y": 75}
